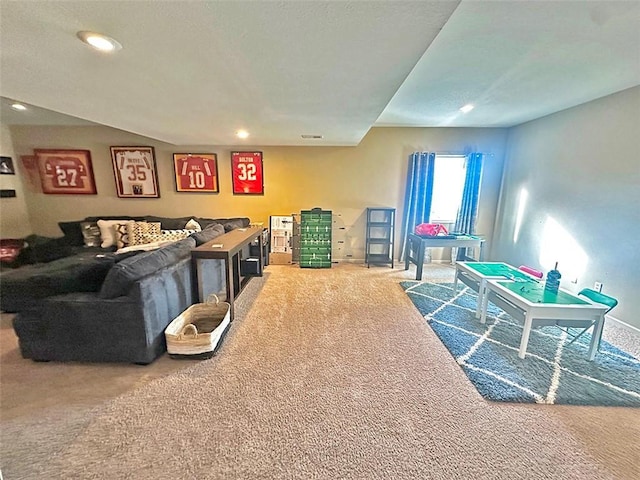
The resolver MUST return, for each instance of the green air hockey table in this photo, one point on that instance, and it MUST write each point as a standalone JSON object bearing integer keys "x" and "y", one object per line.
{"x": 476, "y": 274}
{"x": 530, "y": 303}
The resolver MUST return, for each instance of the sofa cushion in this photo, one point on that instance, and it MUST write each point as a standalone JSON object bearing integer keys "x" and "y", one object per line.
{"x": 116, "y": 217}
{"x": 212, "y": 231}
{"x": 82, "y": 272}
{"x": 230, "y": 223}
{"x": 170, "y": 223}
{"x": 123, "y": 275}
{"x": 41, "y": 249}
{"x": 233, "y": 223}
{"x": 72, "y": 233}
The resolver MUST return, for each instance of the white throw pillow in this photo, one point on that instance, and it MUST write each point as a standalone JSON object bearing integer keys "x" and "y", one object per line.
{"x": 193, "y": 225}
{"x": 108, "y": 231}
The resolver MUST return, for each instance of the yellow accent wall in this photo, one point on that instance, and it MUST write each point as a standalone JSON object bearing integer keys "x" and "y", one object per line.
{"x": 345, "y": 180}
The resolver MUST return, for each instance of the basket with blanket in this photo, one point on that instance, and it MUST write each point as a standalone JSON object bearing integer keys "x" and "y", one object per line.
{"x": 198, "y": 331}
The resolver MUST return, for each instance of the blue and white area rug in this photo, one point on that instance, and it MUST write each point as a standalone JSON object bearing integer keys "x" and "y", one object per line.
{"x": 552, "y": 372}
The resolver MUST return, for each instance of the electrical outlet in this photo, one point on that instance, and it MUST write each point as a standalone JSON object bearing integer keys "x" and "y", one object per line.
{"x": 597, "y": 286}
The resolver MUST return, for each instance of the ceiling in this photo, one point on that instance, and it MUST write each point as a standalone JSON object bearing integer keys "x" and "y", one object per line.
{"x": 193, "y": 73}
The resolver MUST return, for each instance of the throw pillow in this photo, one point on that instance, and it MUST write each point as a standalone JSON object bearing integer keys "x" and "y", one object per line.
{"x": 166, "y": 236}
{"x": 10, "y": 248}
{"x": 90, "y": 234}
{"x": 137, "y": 230}
{"x": 122, "y": 237}
{"x": 108, "y": 231}
{"x": 193, "y": 225}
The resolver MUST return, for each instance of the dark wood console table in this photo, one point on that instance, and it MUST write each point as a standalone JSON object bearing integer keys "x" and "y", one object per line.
{"x": 229, "y": 247}
{"x": 416, "y": 245}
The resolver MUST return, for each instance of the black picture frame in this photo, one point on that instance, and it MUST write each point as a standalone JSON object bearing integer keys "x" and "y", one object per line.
{"x": 196, "y": 172}
{"x": 7, "y": 193}
{"x": 6, "y": 166}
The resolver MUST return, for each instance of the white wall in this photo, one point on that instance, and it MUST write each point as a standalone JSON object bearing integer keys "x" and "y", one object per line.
{"x": 581, "y": 169}
{"x": 14, "y": 219}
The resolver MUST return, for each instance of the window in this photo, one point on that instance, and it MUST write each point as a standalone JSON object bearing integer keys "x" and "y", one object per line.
{"x": 448, "y": 183}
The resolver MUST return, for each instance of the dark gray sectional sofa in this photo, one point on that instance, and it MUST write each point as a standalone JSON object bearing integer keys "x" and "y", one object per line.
{"x": 99, "y": 306}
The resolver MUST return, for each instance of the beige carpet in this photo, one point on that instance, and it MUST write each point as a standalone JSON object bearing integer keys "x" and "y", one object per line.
{"x": 325, "y": 374}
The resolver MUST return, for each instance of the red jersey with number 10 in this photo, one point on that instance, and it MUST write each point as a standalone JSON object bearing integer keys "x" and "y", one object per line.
{"x": 196, "y": 173}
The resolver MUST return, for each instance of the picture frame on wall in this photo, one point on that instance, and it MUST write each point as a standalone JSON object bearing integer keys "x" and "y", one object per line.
{"x": 6, "y": 166}
{"x": 247, "y": 173}
{"x": 135, "y": 172}
{"x": 67, "y": 172}
{"x": 196, "y": 172}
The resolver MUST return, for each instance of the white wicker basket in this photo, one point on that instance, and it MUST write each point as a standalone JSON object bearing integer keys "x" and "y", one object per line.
{"x": 197, "y": 332}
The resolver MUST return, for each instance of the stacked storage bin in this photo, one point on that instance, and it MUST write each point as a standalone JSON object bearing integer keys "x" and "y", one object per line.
{"x": 315, "y": 238}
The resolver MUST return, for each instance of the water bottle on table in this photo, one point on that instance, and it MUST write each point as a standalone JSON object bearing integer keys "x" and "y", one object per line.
{"x": 552, "y": 283}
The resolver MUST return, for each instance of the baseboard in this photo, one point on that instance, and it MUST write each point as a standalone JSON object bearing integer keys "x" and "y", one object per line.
{"x": 622, "y": 324}
{"x": 397, "y": 262}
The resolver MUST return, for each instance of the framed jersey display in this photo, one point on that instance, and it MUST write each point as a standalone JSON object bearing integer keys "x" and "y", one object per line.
{"x": 196, "y": 172}
{"x": 135, "y": 172}
{"x": 246, "y": 173}
{"x": 66, "y": 171}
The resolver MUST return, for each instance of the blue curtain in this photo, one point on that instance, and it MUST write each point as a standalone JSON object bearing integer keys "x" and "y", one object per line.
{"x": 466, "y": 220}
{"x": 419, "y": 190}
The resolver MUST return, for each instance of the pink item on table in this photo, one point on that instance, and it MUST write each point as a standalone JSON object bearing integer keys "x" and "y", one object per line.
{"x": 531, "y": 271}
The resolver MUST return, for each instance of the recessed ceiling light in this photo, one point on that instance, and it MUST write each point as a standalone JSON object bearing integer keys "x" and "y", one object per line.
{"x": 19, "y": 107}
{"x": 99, "y": 41}
{"x": 467, "y": 108}
{"x": 311, "y": 136}
{"x": 242, "y": 134}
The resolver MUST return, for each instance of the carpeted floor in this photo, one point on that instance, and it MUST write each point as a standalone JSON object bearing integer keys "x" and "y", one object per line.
{"x": 324, "y": 374}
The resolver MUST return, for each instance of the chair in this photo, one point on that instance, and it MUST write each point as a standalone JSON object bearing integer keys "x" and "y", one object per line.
{"x": 596, "y": 297}
{"x": 531, "y": 271}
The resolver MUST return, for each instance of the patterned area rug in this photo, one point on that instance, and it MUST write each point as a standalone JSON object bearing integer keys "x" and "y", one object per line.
{"x": 552, "y": 372}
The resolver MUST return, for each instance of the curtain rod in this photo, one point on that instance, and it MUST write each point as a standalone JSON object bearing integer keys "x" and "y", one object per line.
{"x": 457, "y": 154}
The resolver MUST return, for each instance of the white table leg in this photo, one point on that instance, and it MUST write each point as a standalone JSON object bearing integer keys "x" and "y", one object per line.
{"x": 455, "y": 282}
{"x": 595, "y": 337}
{"x": 485, "y": 305}
{"x": 526, "y": 330}
{"x": 482, "y": 293}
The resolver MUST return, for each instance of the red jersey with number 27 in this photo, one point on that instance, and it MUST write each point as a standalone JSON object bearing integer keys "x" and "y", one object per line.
{"x": 66, "y": 172}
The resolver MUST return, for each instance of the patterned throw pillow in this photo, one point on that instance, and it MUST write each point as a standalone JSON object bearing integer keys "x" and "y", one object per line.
{"x": 122, "y": 237}
{"x": 90, "y": 234}
{"x": 137, "y": 230}
{"x": 167, "y": 236}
